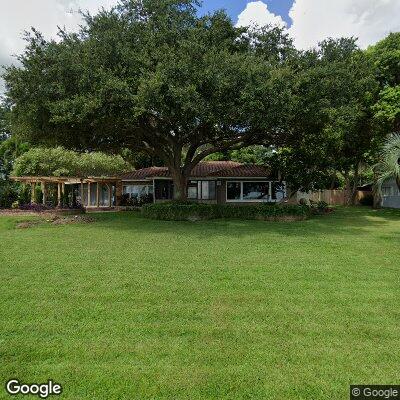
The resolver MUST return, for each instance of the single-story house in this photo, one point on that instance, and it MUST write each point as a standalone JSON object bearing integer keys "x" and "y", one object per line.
{"x": 210, "y": 182}
{"x": 390, "y": 194}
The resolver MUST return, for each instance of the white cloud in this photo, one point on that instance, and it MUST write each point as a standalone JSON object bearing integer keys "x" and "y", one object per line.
{"x": 257, "y": 13}
{"x": 369, "y": 20}
{"x": 18, "y": 16}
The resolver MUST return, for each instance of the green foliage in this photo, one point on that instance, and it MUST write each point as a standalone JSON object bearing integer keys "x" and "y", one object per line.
{"x": 60, "y": 162}
{"x": 331, "y": 124}
{"x": 387, "y": 108}
{"x": 38, "y": 194}
{"x": 386, "y": 58}
{"x": 256, "y": 154}
{"x": 154, "y": 76}
{"x": 303, "y": 168}
{"x": 24, "y": 194}
{"x": 319, "y": 207}
{"x": 139, "y": 159}
{"x": 10, "y": 150}
{"x": 389, "y": 164}
{"x": 182, "y": 211}
{"x": 5, "y": 125}
{"x": 8, "y": 193}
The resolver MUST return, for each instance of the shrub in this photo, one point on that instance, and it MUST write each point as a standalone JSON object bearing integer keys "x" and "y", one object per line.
{"x": 303, "y": 202}
{"x": 38, "y": 194}
{"x": 136, "y": 201}
{"x": 178, "y": 211}
{"x": 8, "y": 194}
{"x": 24, "y": 195}
{"x": 320, "y": 207}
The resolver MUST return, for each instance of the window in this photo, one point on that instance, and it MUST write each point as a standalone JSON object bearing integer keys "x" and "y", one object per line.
{"x": 234, "y": 191}
{"x": 255, "y": 190}
{"x": 192, "y": 190}
{"x": 137, "y": 190}
{"x": 202, "y": 190}
{"x": 278, "y": 191}
{"x": 164, "y": 189}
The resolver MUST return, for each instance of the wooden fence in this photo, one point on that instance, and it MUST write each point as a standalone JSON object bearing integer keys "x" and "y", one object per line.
{"x": 333, "y": 197}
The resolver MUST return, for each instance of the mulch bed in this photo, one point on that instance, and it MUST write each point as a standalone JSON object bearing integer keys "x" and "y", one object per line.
{"x": 56, "y": 220}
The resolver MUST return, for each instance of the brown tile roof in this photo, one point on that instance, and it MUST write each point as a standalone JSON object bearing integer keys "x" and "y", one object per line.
{"x": 208, "y": 168}
{"x": 243, "y": 171}
{"x": 146, "y": 173}
{"x": 204, "y": 169}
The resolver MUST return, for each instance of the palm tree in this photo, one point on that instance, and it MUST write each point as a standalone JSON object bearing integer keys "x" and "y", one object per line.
{"x": 389, "y": 165}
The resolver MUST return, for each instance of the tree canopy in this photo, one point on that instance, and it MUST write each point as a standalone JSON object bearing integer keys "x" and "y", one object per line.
{"x": 153, "y": 76}
{"x": 152, "y": 80}
{"x": 331, "y": 126}
{"x": 60, "y": 162}
{"x": 386, "y": 57}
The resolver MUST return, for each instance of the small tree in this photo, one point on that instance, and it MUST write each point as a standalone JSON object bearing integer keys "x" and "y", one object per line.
{"x": 60, "y": 162}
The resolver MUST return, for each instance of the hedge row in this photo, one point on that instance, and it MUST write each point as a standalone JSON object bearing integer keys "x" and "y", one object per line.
{"x": 174, "y": 211}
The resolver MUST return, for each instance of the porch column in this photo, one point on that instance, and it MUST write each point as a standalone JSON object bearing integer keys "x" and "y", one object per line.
{"x": 58, "y": 194}
{"x": 44, "y": 191}
{"x": 89, "y": 195}
{"x": 109, "y": 194}
{"x": 33, "y": 197}
{"x": 270, "y": 191}
{"x": 82, "y": 196}
{"x": 118, "y": 193}
{"x": 97, "y": 195}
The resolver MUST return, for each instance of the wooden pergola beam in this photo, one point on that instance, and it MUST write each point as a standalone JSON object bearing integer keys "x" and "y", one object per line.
{"x": 61, "y": 181}
{"x": 59, "y": 194}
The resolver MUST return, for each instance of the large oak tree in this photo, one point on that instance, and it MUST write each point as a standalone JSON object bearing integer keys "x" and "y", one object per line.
{"x": 153, "y": 76}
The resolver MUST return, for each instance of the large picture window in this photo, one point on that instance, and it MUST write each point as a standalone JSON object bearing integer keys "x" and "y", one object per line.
{"x": 257, "y": 191}
{"x": 137, "y": 190}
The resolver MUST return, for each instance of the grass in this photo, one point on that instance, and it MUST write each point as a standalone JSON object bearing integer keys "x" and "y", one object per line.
{"x": 128, "y": 308}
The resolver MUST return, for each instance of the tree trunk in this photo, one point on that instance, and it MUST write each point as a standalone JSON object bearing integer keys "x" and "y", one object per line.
{"x": 351, "y": 186}
{"x": 377, "y": 199}
{"x": 180, "y": 184}
{"x": 353, "y": 195}
{"x": 347, "y": 189}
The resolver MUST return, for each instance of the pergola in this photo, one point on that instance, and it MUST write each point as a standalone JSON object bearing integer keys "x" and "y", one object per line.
{"x": 62, "y": 181}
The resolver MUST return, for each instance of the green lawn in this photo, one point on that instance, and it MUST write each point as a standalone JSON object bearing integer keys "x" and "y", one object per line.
{"x": 128, "y": 308}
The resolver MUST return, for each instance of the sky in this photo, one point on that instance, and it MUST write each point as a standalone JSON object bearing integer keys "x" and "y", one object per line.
{"x": 307, "y": 21}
